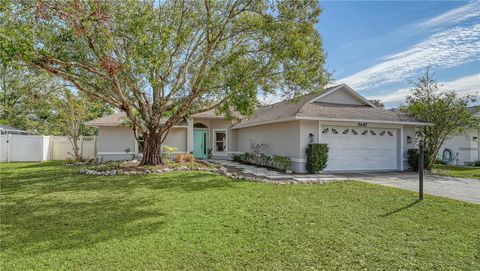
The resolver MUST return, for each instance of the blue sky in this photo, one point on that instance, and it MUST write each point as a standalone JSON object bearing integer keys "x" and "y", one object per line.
{"x": 377, "y": 47}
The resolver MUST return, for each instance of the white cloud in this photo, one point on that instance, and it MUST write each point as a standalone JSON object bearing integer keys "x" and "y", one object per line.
{"x": 454, "y": 16}
{"x": 447, "y": 48}
{"x": 467, "y": 85}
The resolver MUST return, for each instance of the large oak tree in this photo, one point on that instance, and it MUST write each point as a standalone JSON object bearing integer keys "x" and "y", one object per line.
{"x": 162, "y": 61}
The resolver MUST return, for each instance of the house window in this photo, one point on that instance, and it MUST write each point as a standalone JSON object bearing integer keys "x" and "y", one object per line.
{"x": 141, "y": 141}
{"x": 220, "y": 141}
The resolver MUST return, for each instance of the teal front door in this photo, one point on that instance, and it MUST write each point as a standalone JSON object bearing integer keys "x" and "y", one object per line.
{"x": 200, "y": 144}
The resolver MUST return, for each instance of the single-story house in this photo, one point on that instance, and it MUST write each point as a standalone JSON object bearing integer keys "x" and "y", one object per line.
{"x": 464, "y": 148}
{"x": 360, "y": 135}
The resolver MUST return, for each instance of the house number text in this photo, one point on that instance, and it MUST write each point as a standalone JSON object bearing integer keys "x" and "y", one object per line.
{"x": 362, "y": 124}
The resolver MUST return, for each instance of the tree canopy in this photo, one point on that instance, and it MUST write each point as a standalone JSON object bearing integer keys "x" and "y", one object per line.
{"x": 162, "y": 61}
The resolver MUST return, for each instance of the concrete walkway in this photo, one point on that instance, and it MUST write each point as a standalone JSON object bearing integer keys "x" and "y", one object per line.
{"x": 449, "y": 187}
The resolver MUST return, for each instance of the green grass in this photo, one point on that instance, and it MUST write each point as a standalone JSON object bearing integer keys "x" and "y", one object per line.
{"x": 457, "y": 171}
{"x": 54, "y": 219}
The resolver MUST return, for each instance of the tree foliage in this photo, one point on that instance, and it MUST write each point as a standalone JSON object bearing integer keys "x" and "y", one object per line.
{"x": 446, "y": 111}
{"x": 41, "y": 104}
{"x": 377, "y": 103}
{"x": 72, "y": 109}
{"x": 26, "y": 99}
{"x": 162, "y": 61}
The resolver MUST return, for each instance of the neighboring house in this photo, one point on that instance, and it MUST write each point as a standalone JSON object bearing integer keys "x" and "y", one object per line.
{"x": 465, "y": 148}
{"x": 9, "y": 130}
{"x": 360, "y": 136}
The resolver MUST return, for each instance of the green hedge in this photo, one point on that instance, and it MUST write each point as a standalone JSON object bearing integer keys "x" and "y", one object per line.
{"x": 278, "y": 162}
{"x": 412, "y": 159}
{"x": 317, "y": 157}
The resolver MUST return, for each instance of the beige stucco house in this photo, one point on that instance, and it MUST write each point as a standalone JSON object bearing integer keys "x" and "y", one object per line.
{"x": 360, "y": 136}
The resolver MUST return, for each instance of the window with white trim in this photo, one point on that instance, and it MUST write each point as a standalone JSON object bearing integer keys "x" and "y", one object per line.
{"x": 220, "y": 141}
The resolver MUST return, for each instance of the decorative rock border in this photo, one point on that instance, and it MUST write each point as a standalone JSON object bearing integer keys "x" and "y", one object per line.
{"x": 221, "y": 170}
{"x": 120, "y": 171}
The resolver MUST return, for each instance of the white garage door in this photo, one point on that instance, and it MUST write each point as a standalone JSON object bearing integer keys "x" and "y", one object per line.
{"x": 354, "y": 148}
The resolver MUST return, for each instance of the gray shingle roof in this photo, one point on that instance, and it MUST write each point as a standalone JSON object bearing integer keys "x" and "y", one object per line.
{"x": 306, "y": 108}
{"x": 354, "y": 112}
{"x": 279, "y": 110}
{"x": 115, "y": 119}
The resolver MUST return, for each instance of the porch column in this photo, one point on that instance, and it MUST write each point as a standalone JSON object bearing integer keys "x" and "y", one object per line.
{"x": 401, "y": 148}
{"x": 189, "y": 135}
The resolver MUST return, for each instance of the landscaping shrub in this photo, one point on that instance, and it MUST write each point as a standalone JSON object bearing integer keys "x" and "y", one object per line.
{"x": 179, "y": 158}
{"x": 258, "y": 158}
{"x": 281, "y": 162}
{"x": 237, "y": 157}
{"x": 317, "y": 157}
{"x": 412, "y": 159}
{"x": 188, "y": 158}
{"x": 167, "y": 151}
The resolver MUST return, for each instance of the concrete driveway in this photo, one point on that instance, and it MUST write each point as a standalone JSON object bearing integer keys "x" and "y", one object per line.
{"x": 449, "y": 187}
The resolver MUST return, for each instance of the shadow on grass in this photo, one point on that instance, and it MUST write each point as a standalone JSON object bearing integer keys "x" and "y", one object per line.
{"x": 56, "y": 208}
{"x": 401, "y": 209}
{"x": 44, "y": 164}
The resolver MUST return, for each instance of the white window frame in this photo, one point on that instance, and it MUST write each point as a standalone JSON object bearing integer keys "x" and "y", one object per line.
{"x": 214, "y": 142}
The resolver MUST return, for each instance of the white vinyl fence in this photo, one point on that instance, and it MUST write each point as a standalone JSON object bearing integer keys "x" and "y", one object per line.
{"x": 18, "y": 148}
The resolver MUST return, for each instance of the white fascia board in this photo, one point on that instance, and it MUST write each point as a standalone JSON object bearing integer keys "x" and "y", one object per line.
{"x": 416, "y": 123}
{"x": 123, "y": 126}
{"x": 263, "y": 123}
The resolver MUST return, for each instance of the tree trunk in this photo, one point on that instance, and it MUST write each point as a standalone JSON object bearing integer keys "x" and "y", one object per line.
{"x": 152, "y": 150}
{"x": 76, "y": 150}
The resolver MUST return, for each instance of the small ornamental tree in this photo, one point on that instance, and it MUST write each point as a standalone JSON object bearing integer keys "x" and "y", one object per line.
{"x": 446, "y": 111}
{"x": 162, "y": 61}
{"x": 72, "y": 110}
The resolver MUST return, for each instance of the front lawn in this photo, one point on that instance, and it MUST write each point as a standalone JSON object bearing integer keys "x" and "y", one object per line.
{"x": 53, "y": 219}
{"x": 457, "y": 171}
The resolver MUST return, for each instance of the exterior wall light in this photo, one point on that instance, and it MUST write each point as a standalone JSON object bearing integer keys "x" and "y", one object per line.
{"x": 409, "y": 139}
{"x": 311, "y": 138}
